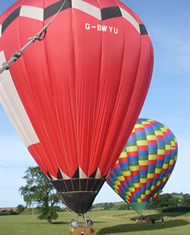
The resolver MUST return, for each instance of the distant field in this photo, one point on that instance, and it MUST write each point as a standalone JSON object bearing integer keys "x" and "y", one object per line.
{"x": 116, "y": 222}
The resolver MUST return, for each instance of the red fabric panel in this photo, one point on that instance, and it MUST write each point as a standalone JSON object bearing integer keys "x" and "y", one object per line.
{"x": 149, "y": 180}
{"x": 128, "y": 177}
{"x": 156, "y": 175}
{"x": 140, "y": 129}
{"x": 134, "y": 172}
{"x": 123, "y": 182}
{"x": 143, "y": 147}
{"x": 137, "y": 189}
{"x": 143, "y": 184}
{"x": 160, "y": 156}
{"x": 82, "y": 88}
{"x": 167, "y": 152}
{"x": 143, "y": 167}
{"x": 152, "y": 142}
{"x": 132, "y": 153}
{"x": 124, "y": 159}
{"x": 152, "y": 162}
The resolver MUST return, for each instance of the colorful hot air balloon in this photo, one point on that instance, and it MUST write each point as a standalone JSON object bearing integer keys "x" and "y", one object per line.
{"x": 74, "y": 97}
{"x": 145, "y": 164}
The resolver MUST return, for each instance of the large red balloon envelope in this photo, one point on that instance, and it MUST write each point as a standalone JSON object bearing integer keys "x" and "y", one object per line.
{"x": 75, "y": 96}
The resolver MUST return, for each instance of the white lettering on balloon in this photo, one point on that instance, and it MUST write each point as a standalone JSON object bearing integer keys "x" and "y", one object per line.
{"x": 102, "y": 28}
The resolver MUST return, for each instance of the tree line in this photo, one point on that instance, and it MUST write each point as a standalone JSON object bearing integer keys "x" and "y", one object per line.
{"x": 166, "y": 200}
{"x": 40, "y": 193}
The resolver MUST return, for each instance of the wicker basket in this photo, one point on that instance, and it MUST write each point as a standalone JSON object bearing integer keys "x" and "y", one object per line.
{"x": 81, "y": 231}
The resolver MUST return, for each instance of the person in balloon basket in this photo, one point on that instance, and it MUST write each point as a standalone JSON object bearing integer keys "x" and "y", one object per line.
{"x": 89, "y": 223}
{"x": 73, "y": 223}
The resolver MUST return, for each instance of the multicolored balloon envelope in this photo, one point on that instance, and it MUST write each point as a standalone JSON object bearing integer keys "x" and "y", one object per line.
{"x": 145, "y": 164}
{"x": 75, "y": 96}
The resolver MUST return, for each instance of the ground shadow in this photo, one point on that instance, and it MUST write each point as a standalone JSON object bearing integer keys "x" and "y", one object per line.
{"x": 142, "y": 227}
{"x": 58, "y": 222}
{"x": 158, "y": 216}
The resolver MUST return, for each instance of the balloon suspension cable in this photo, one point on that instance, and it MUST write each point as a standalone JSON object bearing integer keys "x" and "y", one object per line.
{"x": 39, "y": 36}
{"x": 83, "y": 216}
{"x": 84, "y": 220}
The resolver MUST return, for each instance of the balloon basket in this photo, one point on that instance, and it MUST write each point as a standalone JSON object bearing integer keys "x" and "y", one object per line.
{"x": 142, "y": 221}
{"x": 83, "y": 230}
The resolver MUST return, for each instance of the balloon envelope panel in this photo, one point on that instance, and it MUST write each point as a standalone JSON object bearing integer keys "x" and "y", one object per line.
{"x": 145, "y": 164}
{"x": 75, "y": 96}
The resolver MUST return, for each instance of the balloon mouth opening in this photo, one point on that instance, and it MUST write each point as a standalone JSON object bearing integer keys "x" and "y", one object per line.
{"x": 78, "y": 194}
{"x": 80, "y": 202}
{"x": 139, "y": 207}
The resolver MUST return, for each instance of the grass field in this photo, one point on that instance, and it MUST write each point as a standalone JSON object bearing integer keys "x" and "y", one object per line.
{"x": 116, "y": 222}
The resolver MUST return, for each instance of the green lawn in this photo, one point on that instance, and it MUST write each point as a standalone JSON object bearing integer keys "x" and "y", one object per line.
{"x": 105, "y": 222}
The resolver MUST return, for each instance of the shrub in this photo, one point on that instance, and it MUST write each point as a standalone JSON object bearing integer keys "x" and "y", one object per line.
{"x": 177, "y": 209}
{"x": 8, "y": 212}
{"x": 19, "y": 209}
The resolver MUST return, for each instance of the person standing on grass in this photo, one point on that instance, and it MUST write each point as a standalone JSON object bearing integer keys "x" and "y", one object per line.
{"x": 162, "y": 219}
{"x": 153, "y": 221}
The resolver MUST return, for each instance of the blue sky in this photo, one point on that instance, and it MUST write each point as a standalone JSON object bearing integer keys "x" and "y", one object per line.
{"x": 168, "y": 99}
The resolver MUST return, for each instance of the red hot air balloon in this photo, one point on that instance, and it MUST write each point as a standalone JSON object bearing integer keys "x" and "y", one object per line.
{"x": 74, "y": 97}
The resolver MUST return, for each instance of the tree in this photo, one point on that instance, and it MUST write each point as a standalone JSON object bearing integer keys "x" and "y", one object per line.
{"x": 124, "y": 206}
{"x": 108, "y": 205}
{"x": 165, "y": 200}
{"x": 39, "y": 190}
{"x": 186, "y": 200}
{"x": 19, "y": 209}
